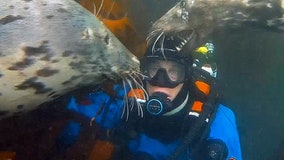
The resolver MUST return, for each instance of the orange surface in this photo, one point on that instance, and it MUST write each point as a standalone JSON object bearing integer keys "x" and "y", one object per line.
{"x": 102, "y": 150}
{"x": 203, "y": 87}
{"x": 7, "y": 155}
{"x": 138, "y": 93}
{"x": 114, "y": 16}
{"x": 197, "y": 106}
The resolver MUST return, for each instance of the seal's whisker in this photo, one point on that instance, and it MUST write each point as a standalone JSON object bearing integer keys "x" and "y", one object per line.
{"x": 112, "y": 5}
{"x": 137, "y": 78}
{"x": 101, "y": 6}
{"x": 155, "y": 42}
{"x": 191, "y": 35}
{"x": 134, "y": 81}
{"x": 131, "y": 88}
{"x": 139, "y": 85}
{"x": 152, "y": 34}
{"x": 131, "y": 105}
{"x": 127, "y": 105}
{"x": 162, "y": 47}
{"x": 139, "y": 107}
{"x": 125, "y": 99}
{"x": 139, "y": 75}
{"x": 95, "y": 8}
{"x": 123, "y": 111}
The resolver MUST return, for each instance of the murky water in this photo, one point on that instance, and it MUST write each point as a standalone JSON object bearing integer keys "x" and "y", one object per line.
{"x": 250, "y": 68}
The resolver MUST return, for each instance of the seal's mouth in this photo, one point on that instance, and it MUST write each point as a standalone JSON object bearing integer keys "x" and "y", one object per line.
{"x": 184, "y": 38}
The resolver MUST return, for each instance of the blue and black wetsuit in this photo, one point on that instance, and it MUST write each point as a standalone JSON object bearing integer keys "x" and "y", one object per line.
{"x": 157, "y": 137}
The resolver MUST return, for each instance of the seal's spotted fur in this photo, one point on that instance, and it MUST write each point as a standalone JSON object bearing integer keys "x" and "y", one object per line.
{"x": 50, "y": 47}
{"x": 195, "y": 20}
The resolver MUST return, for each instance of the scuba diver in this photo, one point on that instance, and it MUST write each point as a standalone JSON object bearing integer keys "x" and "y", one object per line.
{"x": 181, "y": 118}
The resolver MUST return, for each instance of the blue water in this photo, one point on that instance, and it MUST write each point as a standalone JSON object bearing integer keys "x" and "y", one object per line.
{"x": 250, "y": 68}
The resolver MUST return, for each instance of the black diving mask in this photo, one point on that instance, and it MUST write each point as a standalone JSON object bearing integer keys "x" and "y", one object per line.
{"x": 163, "y": 73}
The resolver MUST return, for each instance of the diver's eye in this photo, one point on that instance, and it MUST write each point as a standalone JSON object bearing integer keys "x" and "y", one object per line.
{"x": 173, "y": 74}
{"x": 152, "y": 71}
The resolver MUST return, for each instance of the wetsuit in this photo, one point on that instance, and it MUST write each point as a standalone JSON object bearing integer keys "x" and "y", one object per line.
{"x": 160, "y": 140}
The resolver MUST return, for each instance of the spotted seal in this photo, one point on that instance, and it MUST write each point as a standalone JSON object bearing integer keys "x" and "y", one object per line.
{"x": 50, "y": 47}
{"x": 195, "y": 20}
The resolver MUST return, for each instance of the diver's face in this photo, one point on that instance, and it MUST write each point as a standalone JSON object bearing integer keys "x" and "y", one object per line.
{"x": 164, "y": 76}
{"x": 171, "y": 92}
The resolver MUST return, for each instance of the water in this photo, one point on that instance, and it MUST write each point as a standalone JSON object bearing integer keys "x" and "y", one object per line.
{"x": 250, "y": 69}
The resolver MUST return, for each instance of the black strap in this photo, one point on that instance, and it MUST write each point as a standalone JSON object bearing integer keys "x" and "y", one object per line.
{"x": 209, "y": 108}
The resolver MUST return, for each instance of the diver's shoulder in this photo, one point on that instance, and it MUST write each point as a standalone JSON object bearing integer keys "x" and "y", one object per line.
{"x": 225, "y": 112}
{"x": 225, "y": 109}
{"x": 224, "y": 123}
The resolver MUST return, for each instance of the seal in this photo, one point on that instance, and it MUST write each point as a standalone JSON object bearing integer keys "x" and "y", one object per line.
{"x": 51, "y": 47}
{"x": 195, "y": 20}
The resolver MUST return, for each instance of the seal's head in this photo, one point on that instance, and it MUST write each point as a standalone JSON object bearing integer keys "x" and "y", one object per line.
{"x": 201, "y": 17}
{"x": 43, "y": 63}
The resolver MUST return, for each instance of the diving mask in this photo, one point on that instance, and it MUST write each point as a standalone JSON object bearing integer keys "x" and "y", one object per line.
{"x": 163, "y": 73}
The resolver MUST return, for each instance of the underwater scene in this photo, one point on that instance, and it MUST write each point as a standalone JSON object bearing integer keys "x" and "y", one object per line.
{"x": 65, "y": 63}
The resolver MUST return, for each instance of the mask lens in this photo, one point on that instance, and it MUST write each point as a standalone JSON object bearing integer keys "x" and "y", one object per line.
{"x": 174, "y": 71}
